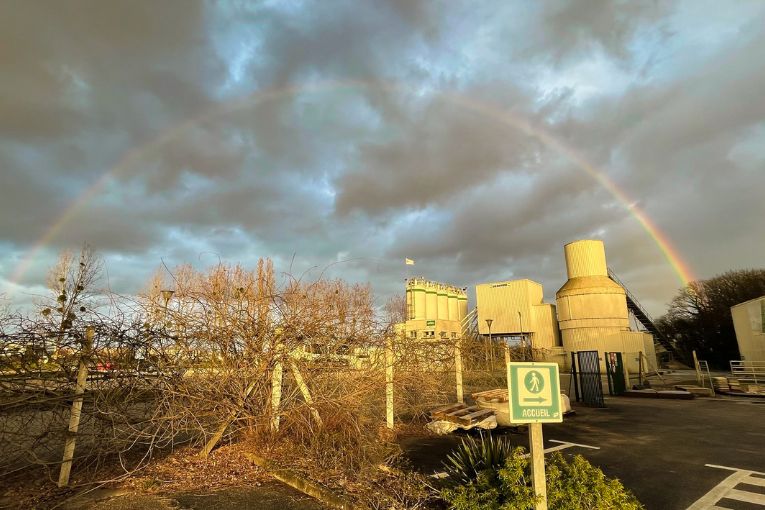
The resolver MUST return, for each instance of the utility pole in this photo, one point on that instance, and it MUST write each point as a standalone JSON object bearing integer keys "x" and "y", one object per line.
{"x": 491, "y": 347}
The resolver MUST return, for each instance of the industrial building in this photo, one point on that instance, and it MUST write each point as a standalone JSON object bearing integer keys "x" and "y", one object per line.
{"x": 592, "y": 308}
{"x": 434, "y": 310}
{"x": 515, "y": 312}
{"x": 749, "y": 323}
{"x": 591, "y": 312}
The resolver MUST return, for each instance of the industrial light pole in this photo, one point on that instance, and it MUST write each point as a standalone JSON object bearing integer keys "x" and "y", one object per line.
{"x": 523, "y": 339}
{"x": 491, "y": 347}
{"x": 167, "y": 295}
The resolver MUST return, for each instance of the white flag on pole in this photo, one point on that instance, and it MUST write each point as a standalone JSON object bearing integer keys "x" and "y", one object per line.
{"x": 409, "y": 262}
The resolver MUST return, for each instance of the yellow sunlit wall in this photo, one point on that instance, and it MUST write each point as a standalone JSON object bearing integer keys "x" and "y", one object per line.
{"x": 516, "y": 308}
{"x": 749, "y": 322}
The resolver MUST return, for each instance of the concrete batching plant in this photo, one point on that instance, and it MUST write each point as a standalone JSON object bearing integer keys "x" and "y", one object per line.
{"x": 591, "y": 313}
{"x": 434, "y": 310}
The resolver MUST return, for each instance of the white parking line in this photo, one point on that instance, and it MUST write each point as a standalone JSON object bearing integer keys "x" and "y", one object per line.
{"x": 569, "y": 445}
{"x": 726, "y": 489}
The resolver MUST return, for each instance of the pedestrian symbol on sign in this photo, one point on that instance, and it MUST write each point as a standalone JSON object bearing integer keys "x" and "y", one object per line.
{"x": 534, "y": 391}
{"x": 534, "y": 382}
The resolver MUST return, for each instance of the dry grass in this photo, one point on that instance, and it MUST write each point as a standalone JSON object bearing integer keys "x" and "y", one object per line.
{"x": 214, "y": 352}
{"x": 186, "y": 471}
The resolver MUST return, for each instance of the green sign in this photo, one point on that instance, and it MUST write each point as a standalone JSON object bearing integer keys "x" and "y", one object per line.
{"x": 430, "y": 323}
{"x": 534, "y": 390}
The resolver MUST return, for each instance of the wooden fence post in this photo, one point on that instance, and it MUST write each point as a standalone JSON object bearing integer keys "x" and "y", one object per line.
{"x": 76, "y": 412}
{"x": 306, "y": 393}
{"x": 231, "y": 417}
{"x": 276, "y": 393}
{"x": 389, "y": 382}
{"x": 458, "y": 370}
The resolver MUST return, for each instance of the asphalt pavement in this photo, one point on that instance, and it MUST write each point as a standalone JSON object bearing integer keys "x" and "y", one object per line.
{"x": 659, "y": 449}
{"x": 706, "y": 453}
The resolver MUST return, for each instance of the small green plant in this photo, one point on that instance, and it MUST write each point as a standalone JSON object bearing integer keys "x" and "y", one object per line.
{"x": 571, "y": 485}
{"x": 472, "y": 457}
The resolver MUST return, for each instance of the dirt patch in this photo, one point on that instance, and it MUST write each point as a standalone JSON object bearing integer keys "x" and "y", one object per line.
{"x": 185, "y": 471}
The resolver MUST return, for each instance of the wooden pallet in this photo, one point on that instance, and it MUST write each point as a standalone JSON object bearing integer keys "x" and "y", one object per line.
{"x": 495, "y": 396}
{"x": 461, "y": 414}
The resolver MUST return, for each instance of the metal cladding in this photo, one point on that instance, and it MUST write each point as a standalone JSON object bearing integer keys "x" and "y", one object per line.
{"x": 586, "y": 258}
{"x": 749, "y": 324}
{"x": 454, "y": 307}
{"x": 590, "y": 299}
{"x": 443, "y": 305}
{"x": 431, "y": 304}
{"x": 462, "y": 304}
{"x": 516, "y": 308}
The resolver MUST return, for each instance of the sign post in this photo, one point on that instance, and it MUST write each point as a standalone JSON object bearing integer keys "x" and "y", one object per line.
{"x": 534, "y": 398}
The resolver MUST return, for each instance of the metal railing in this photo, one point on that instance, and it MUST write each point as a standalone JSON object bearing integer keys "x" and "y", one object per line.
{"x": 748, "y": 370}
{"x": 630, "y": 295}
{"x": 469, "y": 323}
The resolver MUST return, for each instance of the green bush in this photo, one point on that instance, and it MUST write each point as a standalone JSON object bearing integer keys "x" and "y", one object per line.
{"x": 571, "y": 485}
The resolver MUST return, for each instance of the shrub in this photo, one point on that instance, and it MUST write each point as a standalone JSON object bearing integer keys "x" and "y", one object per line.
{"x": 472, "y": 457}
{"x": 571, "y": 485}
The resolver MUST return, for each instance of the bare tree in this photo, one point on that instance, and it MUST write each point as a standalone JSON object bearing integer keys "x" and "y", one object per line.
{"x": 699, "y": 316}
{"x": 395, "y": 310}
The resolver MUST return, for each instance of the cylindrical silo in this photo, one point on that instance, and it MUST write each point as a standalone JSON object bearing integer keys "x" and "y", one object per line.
{"x": 443, "y": 304}
{"x": 585, "y": 258}
{"x": 432, "y": 303}
{"x": 454, "y": 313}
{"x": 463, "y": 305}
{"x": 591, "y": 307}
{"x": 418, "y": 298}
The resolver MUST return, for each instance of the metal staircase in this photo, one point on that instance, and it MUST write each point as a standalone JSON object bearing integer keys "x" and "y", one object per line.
{"x": 634, "y": 306}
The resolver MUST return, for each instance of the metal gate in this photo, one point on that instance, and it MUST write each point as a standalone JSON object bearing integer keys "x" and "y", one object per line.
{"x": 615, "y": 372}
{"x": 585, "y": 369}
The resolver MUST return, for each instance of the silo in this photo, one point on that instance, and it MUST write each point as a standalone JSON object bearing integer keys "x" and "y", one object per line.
{"x": 432, "y": 302}
{"x": 463, "y": 305}
{"x": 591, "y": 307}
{"x": 443, "y": 304}
{"x": 585, "y": 258}
{"x": 453, "y": 301}
{"x": 419, "y": 300}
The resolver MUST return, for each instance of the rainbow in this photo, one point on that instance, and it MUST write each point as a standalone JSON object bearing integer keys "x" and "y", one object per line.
{"x": 681, "y": 269}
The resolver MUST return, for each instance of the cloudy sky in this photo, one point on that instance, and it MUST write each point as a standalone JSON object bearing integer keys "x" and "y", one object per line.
{"x": 348, "y": 135}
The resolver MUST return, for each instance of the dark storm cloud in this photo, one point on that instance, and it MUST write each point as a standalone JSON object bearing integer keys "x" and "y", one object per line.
{"x": 511, "y": 219}
{"x": 28, "y": 201}
{"x": 439, "y": 152}
{"x": 54, "y": 53}
{"x": 576, "y": 28}
{"x": 326, "y": 132}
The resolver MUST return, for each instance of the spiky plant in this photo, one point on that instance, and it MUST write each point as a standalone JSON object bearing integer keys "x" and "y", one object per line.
{"x": 473, "y": 456}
